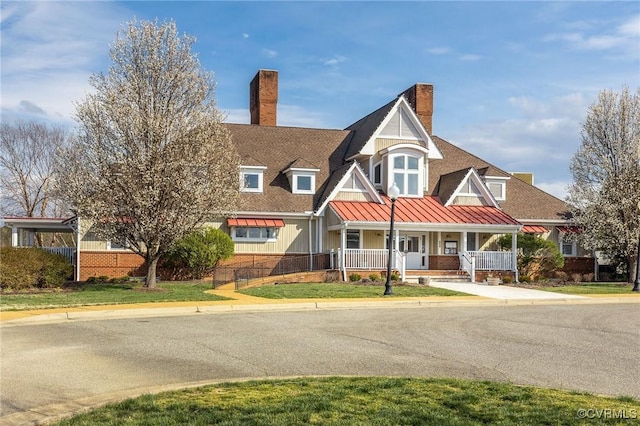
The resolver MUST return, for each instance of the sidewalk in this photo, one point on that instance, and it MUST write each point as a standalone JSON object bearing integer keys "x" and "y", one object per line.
{"x": 479, "y": 294}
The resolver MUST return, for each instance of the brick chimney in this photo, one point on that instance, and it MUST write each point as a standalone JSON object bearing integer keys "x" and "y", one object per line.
{"x": 263, "y": 98}
{"x": 420, "y": 97}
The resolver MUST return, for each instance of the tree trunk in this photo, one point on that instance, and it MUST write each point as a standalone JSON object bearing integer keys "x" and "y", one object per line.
{"x": 151, "y": 272}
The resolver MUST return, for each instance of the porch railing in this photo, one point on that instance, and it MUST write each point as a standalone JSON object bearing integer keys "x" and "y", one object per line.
{"x": 366, "y": 258}
{"x": 493, "y": 260}
{"x": 68, "y": 252}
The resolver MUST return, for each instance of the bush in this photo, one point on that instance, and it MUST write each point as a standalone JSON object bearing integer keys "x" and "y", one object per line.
{"x": 537, "y": 257}
{"x": 374, "y": 277}
{"x": 395, "y": 276}
{"x": 195, "y": 255}
{"x": 25, "y": 268}
{"x": 354, "y": 277}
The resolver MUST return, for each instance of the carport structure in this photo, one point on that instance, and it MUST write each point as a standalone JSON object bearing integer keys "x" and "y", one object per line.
{"x": 24, "y": 229}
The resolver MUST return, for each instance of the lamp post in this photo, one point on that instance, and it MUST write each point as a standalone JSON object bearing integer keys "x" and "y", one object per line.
{"x": 393, "y": 194}
{"x": 636, "y": 283}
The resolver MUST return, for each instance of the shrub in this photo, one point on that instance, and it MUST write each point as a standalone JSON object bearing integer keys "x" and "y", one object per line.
{"x": 395, "y": 276}
{"x": 562, "y": 276}
{"x": 197, "y": 254}
{"x": 507, "y": 279}
{"x": 576, "y": 277}
{"x": 354, "y": 277}
{"x": 24, "y": 268}
{"x": 374, "y": 277}
{"x": 537, "y": 257}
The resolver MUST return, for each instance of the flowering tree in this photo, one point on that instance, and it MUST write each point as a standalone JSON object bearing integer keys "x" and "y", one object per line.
{"x": 152, "y": 159}
{"x": 606, "y": 177}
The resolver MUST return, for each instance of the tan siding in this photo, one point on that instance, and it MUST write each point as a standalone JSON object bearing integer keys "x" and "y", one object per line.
{"x": 469, "y": 201}
{"x": 90, "y": 241}
{"x": 382, "y": 143}
{"x": 292, "y": 238}
{"x": 352, "y": 196}
{"x": 333, "y": 240}
{"x": 372, "y": 240}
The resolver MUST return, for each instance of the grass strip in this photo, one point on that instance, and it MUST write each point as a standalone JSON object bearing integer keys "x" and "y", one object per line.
{"x": 342, "y": 291}
{"x": 365, "y": 401}
{"x": 108, "y": 294}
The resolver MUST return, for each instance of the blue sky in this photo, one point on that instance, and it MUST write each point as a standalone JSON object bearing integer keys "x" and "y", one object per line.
{"x": 512, "y": 80}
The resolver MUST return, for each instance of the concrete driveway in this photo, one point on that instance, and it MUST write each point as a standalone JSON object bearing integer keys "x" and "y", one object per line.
{"x": 49, "y": 370}
{"x": 504, "y": 292}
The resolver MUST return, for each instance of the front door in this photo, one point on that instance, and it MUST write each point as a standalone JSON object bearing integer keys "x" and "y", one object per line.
{"x": 414, "y": 247}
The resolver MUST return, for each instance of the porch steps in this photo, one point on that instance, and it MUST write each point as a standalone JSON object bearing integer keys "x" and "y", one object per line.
{"x": 425, "y": 277}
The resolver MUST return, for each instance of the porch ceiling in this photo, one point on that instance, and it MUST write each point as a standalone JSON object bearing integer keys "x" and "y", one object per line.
{"x": 420, "y": 210}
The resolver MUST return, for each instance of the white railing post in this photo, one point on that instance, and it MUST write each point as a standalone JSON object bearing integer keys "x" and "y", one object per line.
{"x": 473, "y": 268}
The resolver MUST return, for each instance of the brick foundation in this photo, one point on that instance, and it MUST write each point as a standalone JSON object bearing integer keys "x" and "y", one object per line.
{"x": 444, "y": 262}
{"x": 112, "y": 264}
{"x": 579, "y": 265}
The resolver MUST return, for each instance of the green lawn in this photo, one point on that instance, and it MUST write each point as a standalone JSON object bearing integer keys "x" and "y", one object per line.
{"x": 365, "y": 401}
{"x": 108, "y": 294}
{"x": 592, "y": 288}
{"x": 341, "y": 291}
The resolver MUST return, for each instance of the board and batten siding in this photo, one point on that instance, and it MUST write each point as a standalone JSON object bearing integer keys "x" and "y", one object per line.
{"x": 292, "y": 238}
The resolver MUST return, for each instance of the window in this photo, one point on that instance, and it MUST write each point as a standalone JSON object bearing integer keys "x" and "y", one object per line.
{"x": 498, "y": 187}
{"x": 254, "y": 233}
{"x": 303, "y": 183}
{"x": 251, "y": 178}
{"x": 377, "y": 174}
{"x": 567, "y": 246}
{"x": 117, "y": 245}
{"x": 406, "y": 175}
{"x": 450, "y": 247}
{"x": 353, "y": 239}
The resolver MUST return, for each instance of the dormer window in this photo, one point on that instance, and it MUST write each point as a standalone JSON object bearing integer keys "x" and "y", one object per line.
{"x": 406, "y": 174}
{"x": 302, "y": 179}
{"x": 251, "y": 178}
{"x": 498, "y": 186}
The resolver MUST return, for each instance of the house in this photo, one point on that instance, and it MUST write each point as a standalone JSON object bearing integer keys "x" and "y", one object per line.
{"x": 321, "y": 196}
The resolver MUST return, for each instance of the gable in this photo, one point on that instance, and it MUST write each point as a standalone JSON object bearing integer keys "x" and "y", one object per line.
{"x": 400, "y": 125}
{"x": 465, "y": 188}
{"x": 351, "y": 185}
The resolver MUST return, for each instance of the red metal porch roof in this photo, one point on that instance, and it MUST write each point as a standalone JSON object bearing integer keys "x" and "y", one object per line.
{"x": 276, "y": 223}
{"x": 420, "y": 210}
{"x": 534, "y": 229}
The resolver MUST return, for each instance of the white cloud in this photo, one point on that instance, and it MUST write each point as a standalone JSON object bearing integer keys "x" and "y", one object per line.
{"x": 245, "y": 35}
{"x": 269, "y": 53}
{"x": 556, "y": 188}
{"x": 49, "y": 50}
{"x": 335, "y": 60}
{"x": 288, "y": 115}
{"x": 442, "y": 50}
{"x": 470, "y": 57}
{"x": 624, "y": 37}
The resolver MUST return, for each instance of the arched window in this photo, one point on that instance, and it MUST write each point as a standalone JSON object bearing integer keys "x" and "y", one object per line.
{"x": 406, "y": 174}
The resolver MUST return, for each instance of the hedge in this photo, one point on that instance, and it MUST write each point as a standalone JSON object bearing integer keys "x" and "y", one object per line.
{"x": 25, "y": 268}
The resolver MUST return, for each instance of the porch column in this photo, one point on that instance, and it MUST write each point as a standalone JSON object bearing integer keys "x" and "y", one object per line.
{"x": 343, "y": 246}
{"x": 396, "y": 247}
{"x": 14, "y": 236}
{"x": 464, "y": 242}
{"x": 439, "y": 251}
{"x": 78, "y": 251}
{"x": 514, "y": 254}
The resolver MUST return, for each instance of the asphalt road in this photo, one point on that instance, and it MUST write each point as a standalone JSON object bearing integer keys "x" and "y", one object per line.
{"x": 593, "y": 348}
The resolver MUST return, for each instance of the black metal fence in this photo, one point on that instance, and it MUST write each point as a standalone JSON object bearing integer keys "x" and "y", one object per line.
{"x": 242, "y": 273}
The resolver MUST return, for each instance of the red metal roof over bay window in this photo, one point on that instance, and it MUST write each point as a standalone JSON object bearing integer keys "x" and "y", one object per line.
{"x": 569, "y": 229}
{"x": 534, "y": 229}
{"x": 267, "y": 223}
{"x": 420, "y": 210}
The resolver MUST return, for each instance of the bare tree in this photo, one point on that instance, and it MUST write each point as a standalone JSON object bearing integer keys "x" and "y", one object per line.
{"x": 152, "y": 159}
{"x": 27, "y": 151}
{"x": 606, "y": 177}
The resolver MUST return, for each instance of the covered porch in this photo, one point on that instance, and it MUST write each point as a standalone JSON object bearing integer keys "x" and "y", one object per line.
{"x": 426, "y": 236}
{"x": 412, "y": 254}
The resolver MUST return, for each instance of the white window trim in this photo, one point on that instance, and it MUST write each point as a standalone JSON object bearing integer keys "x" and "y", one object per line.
{"x": 254, "y": 240}
{"x": 252, "y": 170}
{"x": 500, "y": 180}
{"x": 562, "y": 242}
{"x": 294, "y": 178}
{"x": 126, "y": 246}
{"x": 419, "y": 172}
